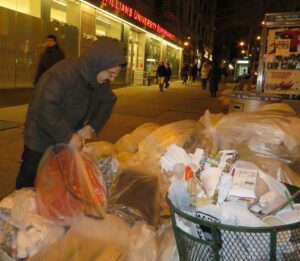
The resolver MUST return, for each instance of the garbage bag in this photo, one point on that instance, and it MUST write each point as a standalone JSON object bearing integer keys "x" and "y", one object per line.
{"x": 99, "y": 149}
{"x": 276, "y": 107}
{"x": 109, "y": 239}
{"x": 181, "y": 133}
{"x": 68, "y": 185}
{"x": 138, "y": 190}
{"x": 129, "y": 142}
{"x": 275, "y": 168}
{"x": 23, "y": 232}
{"x": 78, "y": 245}
{"x": 167, "y": 244}
{"x": 270, "y": 133}
{"x": 101, "y": 153}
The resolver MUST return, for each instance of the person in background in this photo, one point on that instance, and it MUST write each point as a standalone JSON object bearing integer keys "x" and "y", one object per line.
{"x": 190, "y": 75}
{"x": 71, "y": 101}
{"x": 161, "y": 74}
{"x": 52, "y": 54}
{"x": 204, "y": 74}
{"x": 215, "y": 76}
{"x": 168, "y": 75}
{"x": 185, "y": 73}
{"x": 194, "y": 71}
{"x": 223, "y": 74}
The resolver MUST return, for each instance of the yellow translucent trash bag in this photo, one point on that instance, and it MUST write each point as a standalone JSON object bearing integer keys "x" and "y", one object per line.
{"x": 69, "y": 185}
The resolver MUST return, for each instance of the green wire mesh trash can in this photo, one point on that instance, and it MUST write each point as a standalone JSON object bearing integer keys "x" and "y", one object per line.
{"x": 234, "y": 243}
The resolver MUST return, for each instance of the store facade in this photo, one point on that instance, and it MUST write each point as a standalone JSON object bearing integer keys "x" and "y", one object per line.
{"x": 146, "y": 41}
{"x": 77, "y": 24}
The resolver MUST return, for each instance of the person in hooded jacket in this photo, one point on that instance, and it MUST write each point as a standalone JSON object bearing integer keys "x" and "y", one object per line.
{"x": 161, "y": 73}
{"x": 52, "y": 54}
{"x": 71, "y": 101}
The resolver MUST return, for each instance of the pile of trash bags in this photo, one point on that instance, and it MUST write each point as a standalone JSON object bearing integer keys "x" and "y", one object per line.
{"x": 109, "y": 200}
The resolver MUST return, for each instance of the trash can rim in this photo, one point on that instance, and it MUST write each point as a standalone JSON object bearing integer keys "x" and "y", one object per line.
{"x": 266, "y": 229}
{"x": 256, "y": 96}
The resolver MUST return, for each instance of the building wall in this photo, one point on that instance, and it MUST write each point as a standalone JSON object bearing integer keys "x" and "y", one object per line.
{"x": 194, "y": 20}
{"x": 76, "y": 24}
{"x": 22, "y": 35}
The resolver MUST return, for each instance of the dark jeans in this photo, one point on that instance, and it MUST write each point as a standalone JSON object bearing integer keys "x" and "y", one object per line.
{"x": 28, "y": 169}
{"x": 167, "y": 79}
{"x": 213, "y": 86}
{"x": 203, "y": 80}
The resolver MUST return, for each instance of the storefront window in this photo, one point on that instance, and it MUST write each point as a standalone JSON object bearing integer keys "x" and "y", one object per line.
{"x": 62, "y": 11}
{"x": 173, "y": 58}
{"x": 22, "y": 36}
{"x": 30, "y": 7}
{"x": 58, "y": 15}
{"x": 152, "y": 53}
{"x": 107, "y": 26}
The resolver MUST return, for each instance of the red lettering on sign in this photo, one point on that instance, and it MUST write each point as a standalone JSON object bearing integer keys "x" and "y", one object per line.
{"x": 125, "y": 9}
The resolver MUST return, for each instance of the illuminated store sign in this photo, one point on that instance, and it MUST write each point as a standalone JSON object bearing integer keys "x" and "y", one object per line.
{"x": 137, "y": 16}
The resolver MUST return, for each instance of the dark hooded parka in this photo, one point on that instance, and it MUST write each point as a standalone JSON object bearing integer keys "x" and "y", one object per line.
{"x": 68, "y": 96}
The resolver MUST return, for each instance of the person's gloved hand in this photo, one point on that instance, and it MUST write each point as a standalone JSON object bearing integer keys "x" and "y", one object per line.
{"x": 77, "y": 141}
{"x": 87, "y": 132}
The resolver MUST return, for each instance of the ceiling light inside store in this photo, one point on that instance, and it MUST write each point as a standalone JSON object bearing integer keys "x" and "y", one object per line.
{"x": 103, "y": 20}
{"x": 98, "y": 32}
{"x": 60, "y": 2}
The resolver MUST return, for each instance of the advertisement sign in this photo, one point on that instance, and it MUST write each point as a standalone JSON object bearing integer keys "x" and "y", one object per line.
{"x": 282, "y": 61}
{"x": 279, "y": 58}
{"x": 136, "y": 16}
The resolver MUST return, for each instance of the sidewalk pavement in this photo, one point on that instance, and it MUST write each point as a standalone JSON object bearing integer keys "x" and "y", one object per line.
{"x": 135, "y": 105}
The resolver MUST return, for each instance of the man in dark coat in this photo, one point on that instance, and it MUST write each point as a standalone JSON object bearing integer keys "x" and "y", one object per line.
{"x": 168, "y": 75}
{"x": 161, "y": 74}
{"x": 71, "y": 100}
{"x": 52, "y": 54}
{"x": 215, "y": 77}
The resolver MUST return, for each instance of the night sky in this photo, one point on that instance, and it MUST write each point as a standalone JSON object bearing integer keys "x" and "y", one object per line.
{"x": 241, "y": 20}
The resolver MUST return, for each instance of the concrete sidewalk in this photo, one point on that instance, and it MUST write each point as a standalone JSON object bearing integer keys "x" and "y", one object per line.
{"x": 135, "y": 105}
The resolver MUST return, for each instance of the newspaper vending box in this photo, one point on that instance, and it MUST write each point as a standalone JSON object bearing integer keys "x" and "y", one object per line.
{"x": 279, "y": 60}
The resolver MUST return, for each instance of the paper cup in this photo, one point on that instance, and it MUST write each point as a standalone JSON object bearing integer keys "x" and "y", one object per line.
{"x": 282, "y": 236}
{"x": 210, "y": 178}
{"x": 289, "y": 216}
{"x": 273, "y": 221}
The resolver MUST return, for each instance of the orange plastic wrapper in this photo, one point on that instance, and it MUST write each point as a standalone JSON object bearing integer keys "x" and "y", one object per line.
{"x": 69, "y": 185}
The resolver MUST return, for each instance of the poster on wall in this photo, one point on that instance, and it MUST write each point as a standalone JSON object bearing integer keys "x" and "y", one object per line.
{"x": 282, "y": 61}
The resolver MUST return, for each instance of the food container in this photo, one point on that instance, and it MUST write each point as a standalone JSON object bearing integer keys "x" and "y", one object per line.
{"x": 227, "y": 242}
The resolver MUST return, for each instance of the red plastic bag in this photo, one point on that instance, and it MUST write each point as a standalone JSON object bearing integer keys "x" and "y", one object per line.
{"x": 69, "y": 185}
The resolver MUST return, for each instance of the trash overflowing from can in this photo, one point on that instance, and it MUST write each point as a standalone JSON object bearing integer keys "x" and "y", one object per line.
{"x": 221, "y": 188}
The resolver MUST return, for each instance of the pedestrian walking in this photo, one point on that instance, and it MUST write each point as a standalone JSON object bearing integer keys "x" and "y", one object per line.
{"x": 204, "y": 74}
{"x": 190, "y": 75}
{"x": 51, "y": 55}
{"x": 224, "y": 74}
{"x": 161, "y": 74}
{"x": 215, "y": 77}
{"x": 185, "y": 73}
{"x": 168, "y": 75}
{"x": 71, "y": 101}
{"x": 194, "y": 72}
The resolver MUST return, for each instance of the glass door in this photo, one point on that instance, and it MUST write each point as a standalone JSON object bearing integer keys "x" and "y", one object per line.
{"x": 132, "y": 55}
